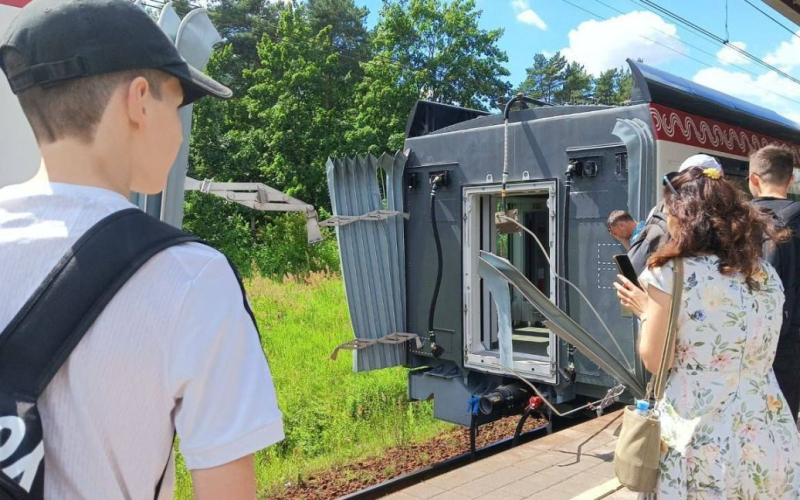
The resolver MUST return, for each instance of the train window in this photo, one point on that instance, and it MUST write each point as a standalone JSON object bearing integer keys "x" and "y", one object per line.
{"x": 736, "y": 171}
{"x": 532, "y": 344}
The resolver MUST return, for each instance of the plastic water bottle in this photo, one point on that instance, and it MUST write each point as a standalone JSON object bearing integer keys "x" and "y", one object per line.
{"x": 642, "y": 408}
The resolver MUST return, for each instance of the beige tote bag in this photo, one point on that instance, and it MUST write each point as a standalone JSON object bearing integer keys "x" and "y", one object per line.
{"x": 638, "y": 450}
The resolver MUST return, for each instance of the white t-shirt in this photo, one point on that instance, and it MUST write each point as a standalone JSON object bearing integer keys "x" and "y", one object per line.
{"x": 174, "y": 350}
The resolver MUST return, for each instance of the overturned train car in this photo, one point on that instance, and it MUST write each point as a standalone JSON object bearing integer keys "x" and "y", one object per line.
{"x": 497, "y": 320}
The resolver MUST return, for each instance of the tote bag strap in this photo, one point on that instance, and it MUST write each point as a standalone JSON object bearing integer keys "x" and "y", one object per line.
{"x": 658, "y": 381}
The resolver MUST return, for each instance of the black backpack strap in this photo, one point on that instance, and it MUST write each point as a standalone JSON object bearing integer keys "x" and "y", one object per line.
{"x": 790, "y": 213}
{"x": 48, "y": 327}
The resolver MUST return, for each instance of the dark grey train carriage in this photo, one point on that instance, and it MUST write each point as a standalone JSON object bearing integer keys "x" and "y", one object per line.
{"x": 494, "y": 319}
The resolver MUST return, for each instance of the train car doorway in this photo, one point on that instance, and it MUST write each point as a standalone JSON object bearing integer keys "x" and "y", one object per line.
{"x": 534, "y": 347}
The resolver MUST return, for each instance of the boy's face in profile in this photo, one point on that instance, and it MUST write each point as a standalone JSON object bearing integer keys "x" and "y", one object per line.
{"x": 157, "y": 139}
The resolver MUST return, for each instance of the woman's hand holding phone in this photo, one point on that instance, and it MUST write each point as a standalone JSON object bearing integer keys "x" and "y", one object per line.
{"x": 631, "y": 296}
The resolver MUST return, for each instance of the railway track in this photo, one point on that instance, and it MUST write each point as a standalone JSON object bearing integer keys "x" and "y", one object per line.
{"x": 407, "y": 480}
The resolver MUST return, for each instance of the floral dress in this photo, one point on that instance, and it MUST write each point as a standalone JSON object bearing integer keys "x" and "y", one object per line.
{"x": 726, "y": 430}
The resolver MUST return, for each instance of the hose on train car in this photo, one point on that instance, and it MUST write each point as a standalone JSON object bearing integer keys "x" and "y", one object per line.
{"x": 436, "y": 183}
{"x": 519, "y": 98}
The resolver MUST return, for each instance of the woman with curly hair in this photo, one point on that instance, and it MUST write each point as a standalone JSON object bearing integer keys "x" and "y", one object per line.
{"x": 726, "y": 429}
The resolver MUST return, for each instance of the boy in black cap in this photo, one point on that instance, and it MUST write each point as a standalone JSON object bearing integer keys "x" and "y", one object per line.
{"x": 175, "y": 350}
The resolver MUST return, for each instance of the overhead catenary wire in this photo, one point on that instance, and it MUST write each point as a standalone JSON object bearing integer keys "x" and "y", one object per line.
{"x": 670, "y": 35}
{"x": 699, "y": 29}
{"x": 793, "y": 32}
{"x": 727, "y": 32}
{"x": 683, "y": 54}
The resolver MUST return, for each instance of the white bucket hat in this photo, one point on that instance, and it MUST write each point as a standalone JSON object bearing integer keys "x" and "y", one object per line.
{"x": 701, "y": 161}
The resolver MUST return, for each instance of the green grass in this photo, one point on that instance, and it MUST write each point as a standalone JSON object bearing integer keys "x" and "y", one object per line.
{"x": 331, "y": 415}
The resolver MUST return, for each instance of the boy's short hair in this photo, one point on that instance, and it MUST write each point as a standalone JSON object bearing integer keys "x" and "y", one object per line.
{"x": 616, "y": 217}
{"x": 773, "y": 163}
{"x": 73, "y": 108}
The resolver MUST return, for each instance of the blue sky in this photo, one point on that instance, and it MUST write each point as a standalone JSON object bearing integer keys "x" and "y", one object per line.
{"x": 631, "y": 30}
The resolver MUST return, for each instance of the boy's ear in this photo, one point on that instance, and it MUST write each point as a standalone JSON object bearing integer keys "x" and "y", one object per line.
{"x": 136, "y": 100}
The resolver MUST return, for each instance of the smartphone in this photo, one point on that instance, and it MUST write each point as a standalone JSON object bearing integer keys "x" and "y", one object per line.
{"x": 625, "y": 268}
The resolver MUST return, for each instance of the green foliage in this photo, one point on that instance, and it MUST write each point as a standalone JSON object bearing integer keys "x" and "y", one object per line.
{"x": 296, "y": 106}
{"x": 242, "y": 24}
{"x": 331, "y": 415}
{"x": 349, "y": 34}
{"x": 221, "y": 147}
{"x": 276, "y": 245}
{"x": 613, "y": 86}
{"x": 311, "y": 83}
{"x": 425, "y": 49}
{"x": 283, "y": 248}
{"x": 545, "y": 78}
{"x": 577, "y": 87}
{"x": 227, "y": 230}
{"x": 286, "y": 121}
{"x": 558, "y": 81}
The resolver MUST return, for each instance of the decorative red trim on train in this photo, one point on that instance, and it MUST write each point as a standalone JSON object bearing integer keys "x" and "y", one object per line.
{"x": 685, "y": 128}
{"x": 15, "y": 3}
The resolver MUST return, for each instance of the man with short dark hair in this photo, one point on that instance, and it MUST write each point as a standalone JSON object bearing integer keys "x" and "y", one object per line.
{"x": 176, "y": 350}
{"x": 771, "y": 174}
{"x": 623, "y": 228}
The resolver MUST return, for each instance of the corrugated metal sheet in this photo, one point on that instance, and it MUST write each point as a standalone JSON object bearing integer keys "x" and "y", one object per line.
{"x": 372, "y": 253}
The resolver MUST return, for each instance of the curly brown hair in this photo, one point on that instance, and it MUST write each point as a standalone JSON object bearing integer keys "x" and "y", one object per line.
{"x": 714, "y": 217}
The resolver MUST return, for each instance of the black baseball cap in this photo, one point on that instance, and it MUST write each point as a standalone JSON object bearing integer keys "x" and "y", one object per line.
{"x": 63, "y": 40}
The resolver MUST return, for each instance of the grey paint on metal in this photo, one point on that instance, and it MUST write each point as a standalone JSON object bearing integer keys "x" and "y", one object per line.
{"x": 450, "y": 390}
{"x": 541, "y": 145}
{"x": 195, "y": 41}
{"x": 370, "y": 254}
{"x": 501, "y": 297}
{"x": 589, "y": 252}
{"x": 422, "y": 264}
{"x": 139, "y": 200}
{"x": 169, "y": 21}
{"x": 393, "y": 166}
{"x": 561, "y": 324}
{"x": 638, "y": 139}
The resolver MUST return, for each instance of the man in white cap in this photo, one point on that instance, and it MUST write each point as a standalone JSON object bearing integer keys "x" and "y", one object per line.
{"x": 655, "y": 232}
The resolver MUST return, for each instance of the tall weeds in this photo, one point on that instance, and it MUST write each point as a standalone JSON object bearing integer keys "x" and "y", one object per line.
{"x": 331, "y": 415}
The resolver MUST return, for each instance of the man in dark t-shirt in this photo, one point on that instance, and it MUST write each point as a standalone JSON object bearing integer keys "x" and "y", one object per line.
{"x": 771, "y": 174}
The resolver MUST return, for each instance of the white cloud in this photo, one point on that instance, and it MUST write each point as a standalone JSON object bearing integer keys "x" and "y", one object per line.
{"x": 727, "y": 55}
{"x": 526, "y": 15}
{"x": 530, "y": 17}
{"x": 787, "y": 55}
{"x": 762, "y": 90}
{"x": 602, "y": 45}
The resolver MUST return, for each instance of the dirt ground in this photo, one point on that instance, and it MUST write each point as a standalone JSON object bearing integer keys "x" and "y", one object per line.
{"x": 398, "y": 461}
